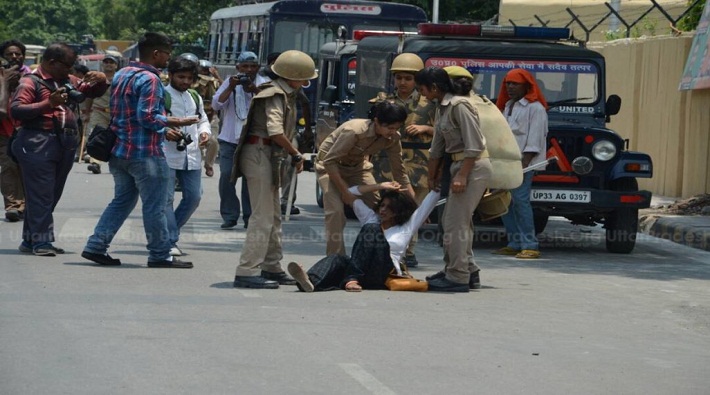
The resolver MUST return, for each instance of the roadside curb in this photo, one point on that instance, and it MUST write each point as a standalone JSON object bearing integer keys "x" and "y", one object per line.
{"x": 692, "y": 231}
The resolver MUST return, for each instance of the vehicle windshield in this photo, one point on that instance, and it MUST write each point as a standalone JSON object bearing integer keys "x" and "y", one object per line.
{"x": 561, "y": 82}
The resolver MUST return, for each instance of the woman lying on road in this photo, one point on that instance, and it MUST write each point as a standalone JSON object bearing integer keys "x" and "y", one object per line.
{"x": 379, "y": 247}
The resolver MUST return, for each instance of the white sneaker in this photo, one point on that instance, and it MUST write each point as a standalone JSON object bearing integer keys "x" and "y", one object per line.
{"x": 175, "y": 251}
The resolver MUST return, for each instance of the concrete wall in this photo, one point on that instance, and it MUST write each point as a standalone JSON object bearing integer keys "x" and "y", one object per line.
{"x": 670, "y": 125}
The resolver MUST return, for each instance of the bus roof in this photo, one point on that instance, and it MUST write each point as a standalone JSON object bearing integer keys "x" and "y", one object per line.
{"x": 341, "y": 7}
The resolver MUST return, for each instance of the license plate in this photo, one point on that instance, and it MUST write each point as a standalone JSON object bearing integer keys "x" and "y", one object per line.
{"x": 560, "y": 195}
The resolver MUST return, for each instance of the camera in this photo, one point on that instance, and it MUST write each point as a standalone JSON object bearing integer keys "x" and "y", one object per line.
{"x": 184, "y": 141}
{"x": 73, "y": 95}
{"x": 6, "y": 64}
{"x": 244, "y": 79}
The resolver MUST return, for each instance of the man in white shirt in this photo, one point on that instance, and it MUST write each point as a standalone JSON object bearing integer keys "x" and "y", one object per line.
{"x": 233, "y": 98}
{"x": 525, "y": 109}
{"x": 184, "y": 157}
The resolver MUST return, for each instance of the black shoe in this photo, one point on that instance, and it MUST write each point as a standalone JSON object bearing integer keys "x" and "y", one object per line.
{"x": 101, "y": 259}
{"x": 444, "y": 285}
{"x": 254, "y": 282}
{"x": 13, "y": 215}
{"x": 294, "y": 210}
{"x": 436, "y": 275}
{"x": 174, "y": 264}
{"x": 94, "y": 168}
{"x": 281, "y": 278}
{"x": 411, "y": 261}
{"x": 474, "y": 282}
{"x": 228, "y": 224}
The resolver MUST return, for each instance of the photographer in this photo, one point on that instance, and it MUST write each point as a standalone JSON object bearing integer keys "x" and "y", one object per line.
{"x": 45, "y": 104}
{"x": 13, "y": 57}
{"x": 183, "y": 152}
{"x": 233, "y": 98}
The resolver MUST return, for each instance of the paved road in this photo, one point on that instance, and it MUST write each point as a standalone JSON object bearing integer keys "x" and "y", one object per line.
{"x": 578, "y": 321}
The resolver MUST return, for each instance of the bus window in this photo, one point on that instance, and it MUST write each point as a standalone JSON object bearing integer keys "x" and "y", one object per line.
{"x": 307, "y": 37}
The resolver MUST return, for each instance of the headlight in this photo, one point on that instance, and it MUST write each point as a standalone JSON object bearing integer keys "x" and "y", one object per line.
{"x": 603, "y": 150}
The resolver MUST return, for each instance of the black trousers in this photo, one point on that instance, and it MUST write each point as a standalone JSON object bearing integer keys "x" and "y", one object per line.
{"x": 45, "y": 159}
{"x": 370, "y": 263}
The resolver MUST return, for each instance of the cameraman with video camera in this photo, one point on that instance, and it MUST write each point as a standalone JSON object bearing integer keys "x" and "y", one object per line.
{"x": 183, "y": 150}
{"x": 233, "y": 98}
{"x": 46, "y": 104}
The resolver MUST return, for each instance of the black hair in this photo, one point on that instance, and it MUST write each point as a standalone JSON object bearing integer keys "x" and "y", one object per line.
{"x": 181, "y": 64}
{"x": 12, "y": 43}
{"x": 80, "y": 68}
{"x": 462, "y": 85}
{"x": 387, "y": 112}
{"x": 401, "y": 204}
{"x": 434, "y": 77}
{"x": 151, "y": 41}
{"x": 57, "y": 51}
{"x": 271, "y": 58}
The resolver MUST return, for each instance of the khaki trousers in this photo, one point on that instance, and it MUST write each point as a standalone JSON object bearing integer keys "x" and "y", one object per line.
{"x": 333, "y": 203}
{"x": 458, "y": 222}
{"x": 13, "y": 191}
{"x": 262, "y": 247}
{"x": 210, "y": 150}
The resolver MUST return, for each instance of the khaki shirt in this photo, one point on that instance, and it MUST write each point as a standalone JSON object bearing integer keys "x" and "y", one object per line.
{"x": 457, "y": 129}
{"x": 275, "y": 114}
{"x": 100, "y": 114}
{"x": 353, "y": 142}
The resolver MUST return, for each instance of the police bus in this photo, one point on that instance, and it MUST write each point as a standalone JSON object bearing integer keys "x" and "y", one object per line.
{"x": 304, "y": 25}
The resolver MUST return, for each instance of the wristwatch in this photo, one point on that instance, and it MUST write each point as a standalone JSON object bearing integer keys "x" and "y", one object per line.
{"x": 296, "y": 159}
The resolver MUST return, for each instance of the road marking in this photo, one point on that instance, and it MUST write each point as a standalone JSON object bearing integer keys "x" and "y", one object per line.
{"x": 248, "y": 293}
{"x": 366, "y": 379}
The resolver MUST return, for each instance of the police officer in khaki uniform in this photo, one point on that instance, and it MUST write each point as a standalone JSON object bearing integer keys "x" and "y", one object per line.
{"x": 342, "y": 162}
{"x": 416, "y": 134}
{"x": 457, "y": 134}
{"x": 265, "y": 141}
{"x": 207, "y": 83}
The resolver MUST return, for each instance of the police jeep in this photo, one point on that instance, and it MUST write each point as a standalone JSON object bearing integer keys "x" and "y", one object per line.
{"x": 592, "y": 176}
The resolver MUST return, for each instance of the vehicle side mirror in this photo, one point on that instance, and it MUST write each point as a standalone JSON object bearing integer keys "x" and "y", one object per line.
{"x": 330, "y": 94}
{"x": 612, "y": 105}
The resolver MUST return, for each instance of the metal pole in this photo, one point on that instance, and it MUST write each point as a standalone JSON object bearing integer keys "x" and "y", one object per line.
{"x": 435, "y": 12}
{"x": 614, "y": 21}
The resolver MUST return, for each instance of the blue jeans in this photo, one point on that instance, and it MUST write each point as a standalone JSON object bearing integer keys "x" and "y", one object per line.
{"x": 144, "y": 177}
{"x": 519, "y": 223}
{"x": 228, "y": 200}
{"x": 191, "y": 182}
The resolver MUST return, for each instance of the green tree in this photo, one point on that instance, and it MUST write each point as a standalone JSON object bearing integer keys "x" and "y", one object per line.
{"x": 691, "y": 20}
{"x": 43, "y": 21}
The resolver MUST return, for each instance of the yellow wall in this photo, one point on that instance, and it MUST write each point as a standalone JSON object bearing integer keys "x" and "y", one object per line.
{"x": 670, "y": 125}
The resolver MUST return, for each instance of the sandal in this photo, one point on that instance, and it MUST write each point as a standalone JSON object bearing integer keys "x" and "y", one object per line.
{"x": 209, "y": 171}
{"x": 353, "y": 286}
{"x": 528, "y": 254}
{"x": 296, "y": 271}
{"x": 506, "y": 251}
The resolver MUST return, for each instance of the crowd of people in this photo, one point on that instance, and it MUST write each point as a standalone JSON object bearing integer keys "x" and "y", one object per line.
{"x": 421, "y": 142}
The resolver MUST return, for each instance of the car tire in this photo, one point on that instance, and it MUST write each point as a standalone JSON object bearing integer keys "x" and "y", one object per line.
{"x": 540, "y": 222}
{"x": 622, "y": 224}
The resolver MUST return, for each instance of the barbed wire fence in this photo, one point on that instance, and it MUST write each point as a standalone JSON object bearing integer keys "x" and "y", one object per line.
{"x": 629, "y": 23}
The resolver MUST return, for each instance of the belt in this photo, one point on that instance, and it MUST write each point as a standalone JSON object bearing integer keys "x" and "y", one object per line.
{"x": 459, "y": 156}
{"x": 256, "y": 140}
{"x": 413, "y": 145}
